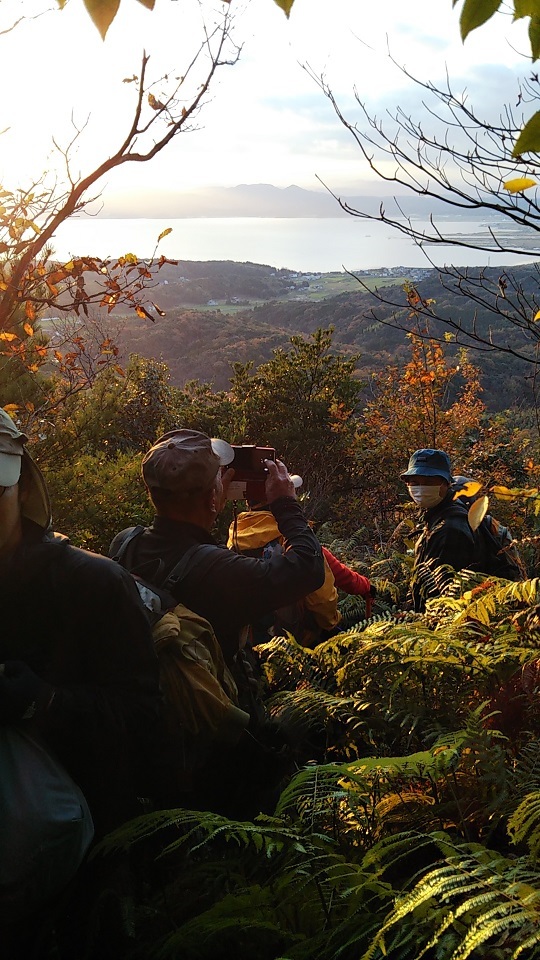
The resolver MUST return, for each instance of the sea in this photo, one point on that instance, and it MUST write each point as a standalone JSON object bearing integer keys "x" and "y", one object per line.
{"x": 305, "y": 245}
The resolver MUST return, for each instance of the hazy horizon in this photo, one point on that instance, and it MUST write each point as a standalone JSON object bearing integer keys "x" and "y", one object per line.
{"x": 266, "y": 200}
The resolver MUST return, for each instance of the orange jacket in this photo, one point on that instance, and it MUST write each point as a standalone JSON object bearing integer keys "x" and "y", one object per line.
{"x": 257, "y": 528}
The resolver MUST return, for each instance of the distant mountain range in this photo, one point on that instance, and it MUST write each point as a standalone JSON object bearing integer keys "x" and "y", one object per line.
{"x": 266, "y": 200}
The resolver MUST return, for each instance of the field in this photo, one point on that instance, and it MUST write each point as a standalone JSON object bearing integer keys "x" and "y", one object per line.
{"x": 319, "y": 287}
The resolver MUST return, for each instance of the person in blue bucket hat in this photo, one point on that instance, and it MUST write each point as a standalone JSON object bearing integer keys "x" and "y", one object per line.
{"x": 445, "y": 535}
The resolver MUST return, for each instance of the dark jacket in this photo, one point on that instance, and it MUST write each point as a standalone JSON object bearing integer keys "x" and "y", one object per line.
{"x": 226, "y": 588}
{"x": 76, "y": 620}
{"x": 445, "y": 538}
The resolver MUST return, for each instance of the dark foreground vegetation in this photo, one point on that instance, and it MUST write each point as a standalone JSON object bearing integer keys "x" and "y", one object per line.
{"x": 405, "y": 822}
{"x": 408, "y": 827}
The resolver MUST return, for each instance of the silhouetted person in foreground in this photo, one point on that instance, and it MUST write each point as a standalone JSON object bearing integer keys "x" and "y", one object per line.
{"x": 78, "y": 677}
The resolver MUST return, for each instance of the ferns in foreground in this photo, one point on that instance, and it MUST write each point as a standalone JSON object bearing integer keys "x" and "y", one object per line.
{"x": 397, "y": 847}
{"x": 475, "y": 901}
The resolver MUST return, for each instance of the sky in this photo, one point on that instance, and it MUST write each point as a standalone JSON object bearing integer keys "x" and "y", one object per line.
{"x": 266, "y": 121}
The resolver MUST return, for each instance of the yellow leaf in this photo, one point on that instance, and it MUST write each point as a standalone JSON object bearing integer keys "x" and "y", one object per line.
{"x": 11, "y": 408}
{"x": 131, "y": 258}
{"x": 103, "y": 13}
{"x": 536, "y": 317}
{"x": 286, "y": 6}
{"x": 469, "y": 489}
{"x": 518, "y": 184}
{"x": 477, "y": 512}
{"x": 8, "y": 336}
{"x": 164, "y": 233}
{"x": 502, "y": 493}
{"x": 69, "y": 265}
{"x": 28, "y": 329}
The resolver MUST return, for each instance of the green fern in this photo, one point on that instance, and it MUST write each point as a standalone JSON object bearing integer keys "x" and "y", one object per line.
{"x": 479, "y": 894}
{"x": 524, "y": 823}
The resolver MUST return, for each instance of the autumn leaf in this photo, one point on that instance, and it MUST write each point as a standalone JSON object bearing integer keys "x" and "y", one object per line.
{"x": 11, "y": 408}
{"x": 28, "y": 329}
{"x": 529, "y": 138}
{"x": 502, "y": 493}
{"x": 55, "y": 276}
{"x": 141, "y": 312}
{"x": 155, "y": 103}
{"x": 285, "y": 5}
{"x": 477, "y": 512}
{"x": 469, "y": 489}
{"x": 102, "y": 13}
{"x": 476, "y": 12}
{"x": 8, "y": 337}
{"x": 30, "y": 311}
{"x": 534, "y": 36}
{"x": 164, "y": 233}
{"x": 518, "y": 184}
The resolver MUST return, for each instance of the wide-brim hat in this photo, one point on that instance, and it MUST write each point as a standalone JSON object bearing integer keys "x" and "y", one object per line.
{"x": 35, "y": 505}
{"x": 429, "y": 463}
{"x": 185, "y": 462}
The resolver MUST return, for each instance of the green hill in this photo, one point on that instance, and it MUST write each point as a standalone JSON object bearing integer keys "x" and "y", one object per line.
{"x": 202, "y": 342}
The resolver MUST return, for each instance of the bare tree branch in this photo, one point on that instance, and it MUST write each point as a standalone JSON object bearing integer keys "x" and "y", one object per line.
{"x": 40, "y": 212}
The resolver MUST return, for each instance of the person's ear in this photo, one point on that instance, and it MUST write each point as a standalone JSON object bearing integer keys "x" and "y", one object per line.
{"x": 214, "y": 499}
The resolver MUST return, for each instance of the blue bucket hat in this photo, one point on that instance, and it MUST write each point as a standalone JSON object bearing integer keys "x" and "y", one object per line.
{"x": 429, "y": 463}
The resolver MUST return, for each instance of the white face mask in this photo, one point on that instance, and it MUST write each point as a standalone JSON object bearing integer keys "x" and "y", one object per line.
{"x": 426, "y": 497}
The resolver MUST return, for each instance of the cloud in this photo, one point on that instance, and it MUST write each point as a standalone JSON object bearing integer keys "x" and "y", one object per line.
{"x": 266, "y": 119}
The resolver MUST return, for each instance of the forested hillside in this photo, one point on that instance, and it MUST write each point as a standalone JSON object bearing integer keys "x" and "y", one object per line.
{"x": 202, "y": 345}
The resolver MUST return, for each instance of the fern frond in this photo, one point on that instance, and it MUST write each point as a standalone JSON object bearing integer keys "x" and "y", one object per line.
{"x": 494, "y": 894}
{"x": 196, "y": 829}
{"x": 309, "y": 710}
{"x": 524, "y": 824}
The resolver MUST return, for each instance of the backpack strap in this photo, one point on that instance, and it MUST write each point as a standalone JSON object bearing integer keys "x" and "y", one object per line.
{"x": 152, "y": 570}
{"x": 180, "y": 569}
{"x": 129, "y": 537}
